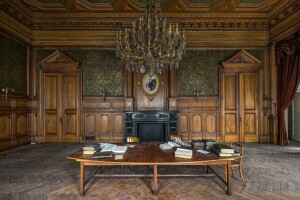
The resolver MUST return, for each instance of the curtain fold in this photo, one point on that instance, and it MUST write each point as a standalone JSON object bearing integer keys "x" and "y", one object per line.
{"x": 288, "y": 76}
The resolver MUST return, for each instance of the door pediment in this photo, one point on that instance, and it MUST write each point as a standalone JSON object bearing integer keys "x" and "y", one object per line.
{"x": 241, "y": 61}
{"x": 58, "y": 60}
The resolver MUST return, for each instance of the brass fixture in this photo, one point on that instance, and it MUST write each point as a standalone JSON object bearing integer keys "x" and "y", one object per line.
{"x": 198, "y": 93}
{"x": 6, "y": 90}
{"x": 103, "y": 95}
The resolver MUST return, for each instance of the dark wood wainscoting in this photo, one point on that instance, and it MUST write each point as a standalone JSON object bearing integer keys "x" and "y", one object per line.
{"x": 103, "y": 119}
{"x": 198, "y": 118}
{"x": 14, "y": 122}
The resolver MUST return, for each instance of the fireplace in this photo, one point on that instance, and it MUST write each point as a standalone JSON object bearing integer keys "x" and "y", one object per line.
{"x": 150, "y": 125}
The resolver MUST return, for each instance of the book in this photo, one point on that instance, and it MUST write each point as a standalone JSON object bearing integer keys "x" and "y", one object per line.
{"x": 209, "y": 143}
{"x": 120, "y": 149}
{"x": 165, "y": 146}
{"x": 109, "y": 147}
{"x": 183, "y": 153}
{"x": 173, "y": 144}
{"x": 91, "y": 148}
{"x": 216, "y": 151}
{"x": 88, "y": 152}
{"x": 100, "y": 154}
{"x": 202, "y": 151}
{"x": 198, "y": 144}
{"x": 183, "y": 144}
{"x": 223, "y": 148}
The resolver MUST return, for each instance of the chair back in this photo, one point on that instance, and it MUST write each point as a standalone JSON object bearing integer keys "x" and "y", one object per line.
{"x": 132, "y": 139}
{"x": 175, "y": 137}
{"x": 239, "y": 148}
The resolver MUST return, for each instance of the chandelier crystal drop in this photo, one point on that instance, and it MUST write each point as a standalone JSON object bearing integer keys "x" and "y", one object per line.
{"x": 150, "y": 45}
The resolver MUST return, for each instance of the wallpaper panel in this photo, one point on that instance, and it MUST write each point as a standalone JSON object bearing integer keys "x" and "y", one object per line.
{"x": 199, "y": 70}
{"x": 101, "y": 70}
{"x": 13, "y": 66}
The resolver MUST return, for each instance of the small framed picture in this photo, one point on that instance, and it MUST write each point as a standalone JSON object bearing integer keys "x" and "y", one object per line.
{"x": 150, "y": 84}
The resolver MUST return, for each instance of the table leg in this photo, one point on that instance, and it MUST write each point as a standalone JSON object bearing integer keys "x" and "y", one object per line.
{"x": 155, "y": 180}
{"x": 229, "y": 178}
{"x": 81, "y": 178}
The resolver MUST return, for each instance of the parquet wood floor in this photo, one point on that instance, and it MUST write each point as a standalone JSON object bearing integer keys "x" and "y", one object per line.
{"x": 42, "y": 171}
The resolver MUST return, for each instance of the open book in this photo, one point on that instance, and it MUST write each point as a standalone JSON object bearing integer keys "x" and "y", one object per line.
{"x": 109, "y": 147}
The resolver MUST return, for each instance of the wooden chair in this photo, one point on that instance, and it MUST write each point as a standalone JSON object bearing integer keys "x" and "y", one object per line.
{"x": 175, "y": 137}
{"x": 238, "y": 162}
{"x": 131, "y": 139}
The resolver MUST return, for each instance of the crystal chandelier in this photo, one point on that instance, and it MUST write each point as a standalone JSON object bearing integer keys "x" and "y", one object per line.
{"x": 150, "y": 45}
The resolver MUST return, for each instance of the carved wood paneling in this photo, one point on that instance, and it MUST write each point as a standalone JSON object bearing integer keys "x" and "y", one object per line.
{"x": 5, "y": 125}
{"x": 14, "y": 122}
{"x": 103, "y": 118}
{"x": 198, "y": 118}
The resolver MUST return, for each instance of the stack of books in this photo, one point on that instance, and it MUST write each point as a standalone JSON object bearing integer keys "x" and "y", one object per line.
{"x": 183, "y": 153}
{"x": 91, "y": 149}
{"x": 198, "y": 144}
{"x": 223, "y": 150}
{"x": 209, "y": 143}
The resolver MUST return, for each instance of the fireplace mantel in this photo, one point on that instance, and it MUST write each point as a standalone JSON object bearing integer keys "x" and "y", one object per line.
{"x": 150, "y": 125}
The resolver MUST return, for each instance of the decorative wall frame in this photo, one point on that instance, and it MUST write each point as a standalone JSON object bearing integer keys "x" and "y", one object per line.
{"x": 150, "y": 85}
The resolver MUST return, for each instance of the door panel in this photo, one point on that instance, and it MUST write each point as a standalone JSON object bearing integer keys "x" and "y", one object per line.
{"x": 249, "y": 105}
{"x": 69, "y": 108}
{"x": 52, "y": 98}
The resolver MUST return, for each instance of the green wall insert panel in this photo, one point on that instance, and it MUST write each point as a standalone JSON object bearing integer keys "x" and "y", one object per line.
{"x": 13, "y": 65}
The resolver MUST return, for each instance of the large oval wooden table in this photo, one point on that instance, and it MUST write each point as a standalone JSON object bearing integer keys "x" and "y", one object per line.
{"x": 150, "y": 154}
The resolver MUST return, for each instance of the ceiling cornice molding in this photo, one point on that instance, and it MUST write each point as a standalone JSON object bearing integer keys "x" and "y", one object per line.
{"x": 195, "y": 39}
{"x": 15, "y": 28}
{"x": 285, "y": 27}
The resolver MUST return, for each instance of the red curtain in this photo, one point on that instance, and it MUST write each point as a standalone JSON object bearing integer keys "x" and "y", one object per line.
{"x": 288, "y": 62}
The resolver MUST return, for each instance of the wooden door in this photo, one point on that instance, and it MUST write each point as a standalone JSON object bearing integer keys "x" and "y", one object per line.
{"x": 61, "y": 115}
{"x": 60, "y": 98}
{"x": 239, "y": 98}
{"x": 52, "y": 107}
{"x": 240, "y": 119}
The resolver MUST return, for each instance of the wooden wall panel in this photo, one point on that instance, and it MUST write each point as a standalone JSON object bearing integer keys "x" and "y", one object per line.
{"x": 5, "y": 125}
{"x": 90, "y": 123}
{"x": 196, "y": 123}
{"x": 183, "y": 123}
{"x": 22, "y": 124}
{"x": 103, "y": 118}
{"x": 211, "y": 123}
{"x": 118, "y": 123}
{"x": 14, "y": 122}
{"x": 104, "y": 123}
{"x": 198, "y": 118}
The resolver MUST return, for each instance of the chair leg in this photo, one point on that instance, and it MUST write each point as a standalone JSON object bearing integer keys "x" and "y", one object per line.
{"x": 241, "y": 174}
{"x": 225, "y": 173}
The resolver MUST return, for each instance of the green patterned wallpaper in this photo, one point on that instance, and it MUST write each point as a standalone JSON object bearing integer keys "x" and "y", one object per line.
{"x": 13, "y": 65}
{"x": 101, "y": 70}
{"x": 199, "y": 70}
